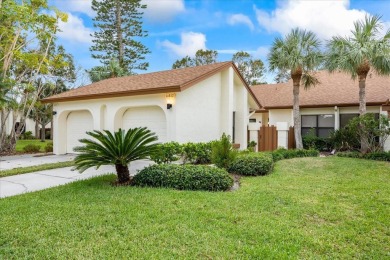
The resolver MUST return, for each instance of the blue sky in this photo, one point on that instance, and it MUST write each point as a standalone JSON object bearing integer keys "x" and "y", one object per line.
{"x": 179, "y": 27}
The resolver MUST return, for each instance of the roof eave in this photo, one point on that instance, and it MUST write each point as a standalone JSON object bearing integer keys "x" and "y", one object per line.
{"x": 113, "y": 95}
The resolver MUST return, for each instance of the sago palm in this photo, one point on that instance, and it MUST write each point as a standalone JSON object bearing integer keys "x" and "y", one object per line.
{"x": 117, "y": 149}
{"x": 298, "y": 52}
{"x": 359, "y": 53}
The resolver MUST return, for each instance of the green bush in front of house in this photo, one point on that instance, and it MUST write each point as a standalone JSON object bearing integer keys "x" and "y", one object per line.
{"x": 223, "y": 153}
{"x": 167, "y": 153}
{"x": 31, "y": 148}
{"x": 197, "y": 153}
{"x": 184, "y": 177}
{"x": 252, "y": 164}
{"x": 377, "y": 156}
{"x": 281, "y": 154}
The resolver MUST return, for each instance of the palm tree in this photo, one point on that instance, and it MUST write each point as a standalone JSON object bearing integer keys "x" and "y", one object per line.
{"x": 299, "y": 53}
{"x": 117, "y": 149}
{"x": 357, "y": 54}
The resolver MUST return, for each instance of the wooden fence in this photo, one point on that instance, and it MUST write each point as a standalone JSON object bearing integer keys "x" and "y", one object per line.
{"x": 291, "y": 138}
{"x": 268, "y": 138}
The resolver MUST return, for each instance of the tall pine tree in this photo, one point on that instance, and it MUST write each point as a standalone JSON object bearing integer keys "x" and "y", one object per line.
{"x": 119, "y": 24}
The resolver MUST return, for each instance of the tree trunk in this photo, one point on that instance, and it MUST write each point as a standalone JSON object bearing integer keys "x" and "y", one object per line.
{"x": 119, "y": 33}
{"x": 123, "y": 173}
{"x": 43, "y": 134}
{"x": 297, "y": 116}
{"x": 362, "y": 95}
{"x": 363, "y": 111}
{"x": 36, "y": 128}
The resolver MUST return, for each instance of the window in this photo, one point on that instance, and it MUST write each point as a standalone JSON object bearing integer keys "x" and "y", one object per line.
{"x": 319, "y": 125}
{"x": 345, "y": 118}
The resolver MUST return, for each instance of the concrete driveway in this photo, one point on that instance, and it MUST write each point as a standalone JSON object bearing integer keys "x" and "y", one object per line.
{"x": 26, "y": 160}
{"x": 19, "y": 184}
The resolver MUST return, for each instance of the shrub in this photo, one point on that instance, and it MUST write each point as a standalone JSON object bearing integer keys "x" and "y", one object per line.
{"x": 49, "y": 148}
{"x": 252, "y": 164}
{"x": 371, "y": 132}
{"x": 222, "y": 152}
{"x": 316, "y": 143}
{"x": 184, "y": 177}
{"x": 281, "y": 154}
{"x": 27, "y": 136}
{"x": 197, "y": 153}
{"x": 32, "y": 148}
{"x": 345, "y": 139}
{"x": 377, "y": 156}
{"x": 353, "y": 154}
{"x": 167, "y": 153}
{"x": 252, "y": 146}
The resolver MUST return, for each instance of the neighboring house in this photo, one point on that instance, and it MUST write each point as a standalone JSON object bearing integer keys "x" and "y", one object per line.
{"x": 30, "y": 124}
{"x": 194, "y": 104}
{"x": 325, "y": 107}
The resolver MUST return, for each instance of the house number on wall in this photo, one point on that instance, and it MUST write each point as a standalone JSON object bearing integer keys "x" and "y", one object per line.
{"x": 170, "y": 95}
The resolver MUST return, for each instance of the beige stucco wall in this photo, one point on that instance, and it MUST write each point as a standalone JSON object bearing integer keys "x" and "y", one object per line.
{"x": 200, "y": 113}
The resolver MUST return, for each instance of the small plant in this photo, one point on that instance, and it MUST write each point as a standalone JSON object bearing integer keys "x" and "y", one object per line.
{"x": 49, "y": 148}
{"x": 252, "y": 164}
{"x": 311, "y": 141}
{"x": 32, "y": 148}
{"x": 167, "y": 153}
{"x": 184, "y": 177}
{"x": 222, "y": 152}
{"x": 27, "y": 136}
{"x": 197, "y": 153}
{"x": 252, "y": 146}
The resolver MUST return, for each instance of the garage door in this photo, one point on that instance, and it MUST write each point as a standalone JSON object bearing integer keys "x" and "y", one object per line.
{"x": 77, "y": 124}
{"x": 151, "y": 117}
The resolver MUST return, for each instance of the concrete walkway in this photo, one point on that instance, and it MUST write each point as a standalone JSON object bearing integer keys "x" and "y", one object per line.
{"x": 26, "y": 160}
{"x": 19, "y": 184}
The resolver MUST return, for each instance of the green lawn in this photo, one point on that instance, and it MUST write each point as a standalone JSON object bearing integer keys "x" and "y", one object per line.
{"x": 42, "y": 167}
{"x": 22, "y": 143}
{"x": 307, "y": 208}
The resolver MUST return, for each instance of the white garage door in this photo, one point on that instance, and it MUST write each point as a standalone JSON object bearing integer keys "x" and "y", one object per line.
{"x": 151, "y": 117}
{"x": 77, "y": 124}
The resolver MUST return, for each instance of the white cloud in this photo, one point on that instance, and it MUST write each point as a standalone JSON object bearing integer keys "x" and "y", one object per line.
{"x": 240, "y": 19}
{"x": 74, "y": 30}
{"x": 325, "y": 18}
{"x": 260, "y": 52}
{"x": 82, "y": 6}
{"x": 190, "y": 43}
{"x": 162, "y": 10}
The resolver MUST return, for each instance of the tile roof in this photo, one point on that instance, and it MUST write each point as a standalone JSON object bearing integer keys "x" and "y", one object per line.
{"x": 149, "y": 83}
{"x": 335, "y": 89}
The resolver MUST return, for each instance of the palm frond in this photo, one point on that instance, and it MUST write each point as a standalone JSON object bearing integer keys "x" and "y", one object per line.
{"x": 120, "y": 147}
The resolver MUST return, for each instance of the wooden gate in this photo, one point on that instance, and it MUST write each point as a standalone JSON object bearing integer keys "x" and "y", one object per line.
{"x": 268, "y": 138}
{"x": 291, "y": 138}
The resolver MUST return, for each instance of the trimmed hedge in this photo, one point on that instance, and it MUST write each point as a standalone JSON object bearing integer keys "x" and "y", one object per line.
{"x": 281, "y": 154}
{"x": 377, "y": 156}
{"x": 184, "y": 177}
{"x": 32, "y": 148}
{"x": 49, "y": 148}
{"x": 252, "y": 164}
